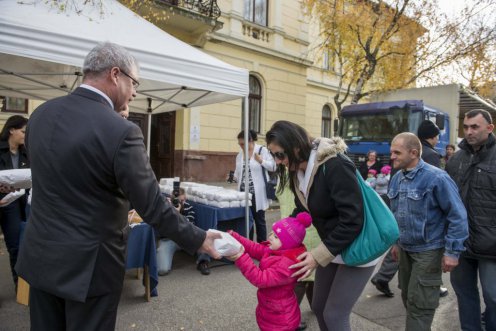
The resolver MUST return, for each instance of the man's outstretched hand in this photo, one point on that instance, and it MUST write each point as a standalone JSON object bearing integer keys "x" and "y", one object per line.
{"x": 208, "y": 245}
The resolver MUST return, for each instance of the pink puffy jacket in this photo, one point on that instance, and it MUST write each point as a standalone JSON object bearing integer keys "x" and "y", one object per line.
{"x": 277, "y": 308}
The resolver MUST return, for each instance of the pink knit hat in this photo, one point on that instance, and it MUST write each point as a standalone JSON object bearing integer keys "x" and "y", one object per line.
{"x": 291, "y": 231}
{"x": 386, "y": 170}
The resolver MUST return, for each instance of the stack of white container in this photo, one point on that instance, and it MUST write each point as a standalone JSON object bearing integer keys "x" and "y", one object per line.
{"x": 215, "y": 196}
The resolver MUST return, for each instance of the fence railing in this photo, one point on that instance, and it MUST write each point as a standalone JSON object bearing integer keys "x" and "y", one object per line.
{"x": 207, "y": 8}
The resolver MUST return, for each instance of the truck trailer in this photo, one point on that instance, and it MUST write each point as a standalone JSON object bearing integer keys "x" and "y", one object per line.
{"x": 372, "y": 126}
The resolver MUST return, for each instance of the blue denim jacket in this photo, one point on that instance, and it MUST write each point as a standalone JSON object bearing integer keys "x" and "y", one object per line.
{"x": 429, "y": 211}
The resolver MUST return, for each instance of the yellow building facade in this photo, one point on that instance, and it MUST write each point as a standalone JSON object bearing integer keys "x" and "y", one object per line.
{"x": 274, "y": 40}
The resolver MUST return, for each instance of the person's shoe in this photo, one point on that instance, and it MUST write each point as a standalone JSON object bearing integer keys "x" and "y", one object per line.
{"x": 302, "y": 326}
{"x": 443, "y": 291}
{"x": 383, "y": 287}
{"x": 203, "y": 267}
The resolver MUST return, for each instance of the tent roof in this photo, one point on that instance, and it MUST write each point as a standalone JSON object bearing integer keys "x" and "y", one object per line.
{"x": 42, "y": 50}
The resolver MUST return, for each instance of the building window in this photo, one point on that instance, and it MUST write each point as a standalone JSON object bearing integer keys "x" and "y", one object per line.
{"x": 325, "y": 60}
{"x": 256, "y": 11}
{"x": 328, "y": 60}
{"x": 326, "y": 121}
{"x": 254, "y": 105}
{"x": 13, "y": 105}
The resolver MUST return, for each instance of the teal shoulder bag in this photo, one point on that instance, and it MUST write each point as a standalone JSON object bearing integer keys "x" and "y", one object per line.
{"x": 380, "y": 229}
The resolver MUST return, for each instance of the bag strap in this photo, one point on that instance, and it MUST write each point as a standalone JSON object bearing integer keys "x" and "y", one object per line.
{"x": 264, "y": 171}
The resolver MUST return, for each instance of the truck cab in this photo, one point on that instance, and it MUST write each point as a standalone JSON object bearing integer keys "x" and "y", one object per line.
{"x": 372, "y": 126}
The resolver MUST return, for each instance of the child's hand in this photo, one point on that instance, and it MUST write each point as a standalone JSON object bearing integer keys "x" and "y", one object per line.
{"x": 236, "y": 256}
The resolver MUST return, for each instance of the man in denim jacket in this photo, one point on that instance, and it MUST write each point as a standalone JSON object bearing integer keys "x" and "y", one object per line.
{"x": 433, "y": 226}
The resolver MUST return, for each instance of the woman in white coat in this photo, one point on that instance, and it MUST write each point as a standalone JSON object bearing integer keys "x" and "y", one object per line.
{"x": 260, "y": 162}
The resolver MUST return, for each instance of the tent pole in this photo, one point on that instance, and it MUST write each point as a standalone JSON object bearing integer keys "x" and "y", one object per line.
{"x": 247, "y": 160}
{"x": 149, "y": 131}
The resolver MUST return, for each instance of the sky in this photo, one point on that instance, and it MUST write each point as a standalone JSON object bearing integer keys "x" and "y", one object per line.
{"x": 451, "y": 7}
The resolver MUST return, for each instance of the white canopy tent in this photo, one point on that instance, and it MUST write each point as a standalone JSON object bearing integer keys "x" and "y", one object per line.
{"x": 42, "y": 51}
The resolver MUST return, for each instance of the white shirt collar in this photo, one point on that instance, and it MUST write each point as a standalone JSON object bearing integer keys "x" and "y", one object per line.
{"x": 304, "y": 178}
{"x": 94, "y": 89}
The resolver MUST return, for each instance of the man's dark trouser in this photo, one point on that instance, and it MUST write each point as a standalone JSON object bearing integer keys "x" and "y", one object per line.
{"x": 259, "y": 220}
{"x": 51, "y": 313}
{"x": 388, "y": 269}
{"x": 465, "y": 283}
{"x": 420, "y": 278}
{"x": 389, "y": 266}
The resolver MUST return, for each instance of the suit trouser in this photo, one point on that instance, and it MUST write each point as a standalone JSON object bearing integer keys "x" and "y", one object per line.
{"x": 51, "y": 313}
{"x": 420, "y": 278}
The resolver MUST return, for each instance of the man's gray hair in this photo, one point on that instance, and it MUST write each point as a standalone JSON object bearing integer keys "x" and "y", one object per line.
{"x": 107, "y": 55}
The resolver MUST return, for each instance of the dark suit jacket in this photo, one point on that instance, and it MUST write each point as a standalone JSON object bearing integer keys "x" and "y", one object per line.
{"x": 87, "y": 163}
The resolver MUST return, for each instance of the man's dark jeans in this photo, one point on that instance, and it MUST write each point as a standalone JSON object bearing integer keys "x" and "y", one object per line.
{"x": 465, "y": 284}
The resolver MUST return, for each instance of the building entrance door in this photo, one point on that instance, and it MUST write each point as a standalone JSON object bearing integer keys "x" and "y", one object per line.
{"x": 162, "y": 144}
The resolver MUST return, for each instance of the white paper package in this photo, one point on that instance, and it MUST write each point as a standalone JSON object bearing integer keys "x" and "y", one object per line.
{"x": 227, "y": 245}
{"x": 17, "y": 178}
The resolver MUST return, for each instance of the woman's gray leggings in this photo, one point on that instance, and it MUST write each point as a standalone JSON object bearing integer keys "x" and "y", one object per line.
{"x": 337, "y": 287}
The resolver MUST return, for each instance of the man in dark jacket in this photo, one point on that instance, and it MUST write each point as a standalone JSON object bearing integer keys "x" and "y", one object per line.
{"x": 473, "y": 168}
{"x": 428, "y": 133}
{"x": 87, "y": 165}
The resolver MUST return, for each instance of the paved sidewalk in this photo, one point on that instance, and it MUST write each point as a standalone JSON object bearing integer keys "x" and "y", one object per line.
{"x": 222, "y": 301}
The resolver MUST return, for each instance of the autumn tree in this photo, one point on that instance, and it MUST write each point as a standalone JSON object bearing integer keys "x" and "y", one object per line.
{"x": 145, "y": 8}
{"x": 479, "y": 70}
{"x": 376, "y": 46}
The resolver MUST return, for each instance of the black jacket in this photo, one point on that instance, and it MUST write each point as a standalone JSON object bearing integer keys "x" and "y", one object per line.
{"x": 475, "y": 175}
{"x": 6, "y": 164}
{"x": 334, "y": 198}
{"x": 87, "y": 162}
{"x": 430, "y": 155}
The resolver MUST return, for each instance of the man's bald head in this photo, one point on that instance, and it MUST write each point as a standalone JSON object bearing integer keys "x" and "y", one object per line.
{"x": 409, "y": 141}
{"x": 405, "y": 151}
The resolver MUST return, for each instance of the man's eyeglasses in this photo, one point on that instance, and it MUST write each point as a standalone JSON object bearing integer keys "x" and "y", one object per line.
{"x": 279, "y": 155}
{"x": 135, "y": 82}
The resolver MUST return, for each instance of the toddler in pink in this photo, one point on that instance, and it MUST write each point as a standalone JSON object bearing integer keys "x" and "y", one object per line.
{"x": 277, "y": 308}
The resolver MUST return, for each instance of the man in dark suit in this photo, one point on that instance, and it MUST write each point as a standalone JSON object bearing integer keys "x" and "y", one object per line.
{"x": 87, "y": 165}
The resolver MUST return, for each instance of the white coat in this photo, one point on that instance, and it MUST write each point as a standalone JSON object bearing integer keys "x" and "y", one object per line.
{"x": 261, "y": 201}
